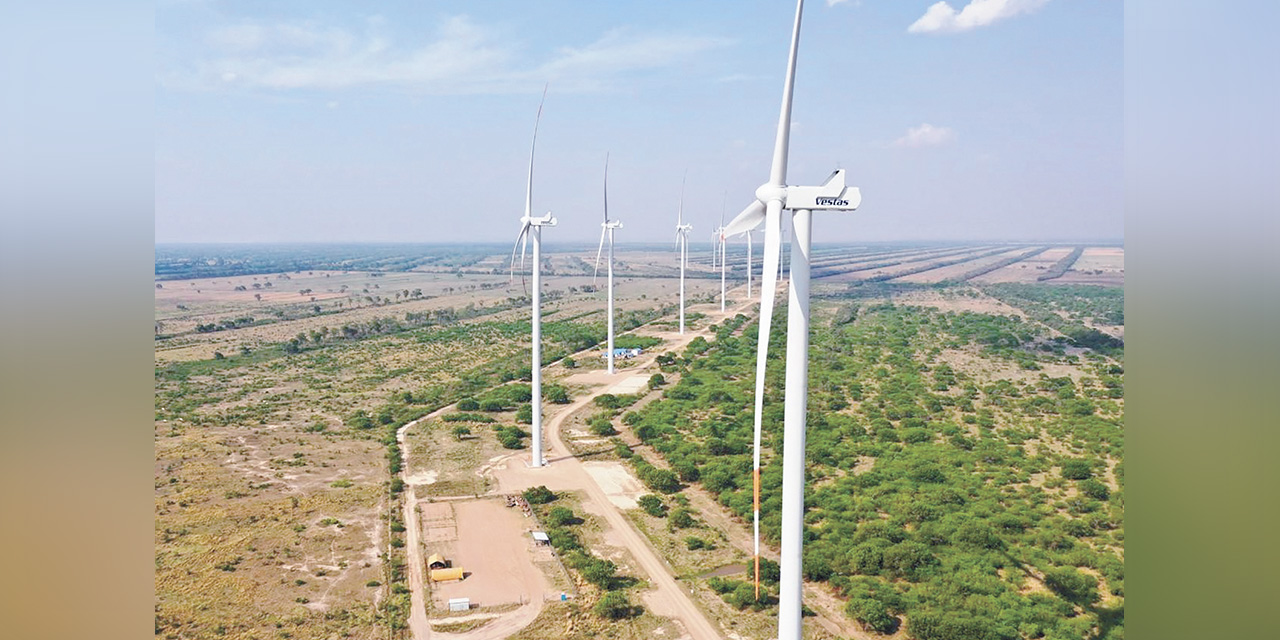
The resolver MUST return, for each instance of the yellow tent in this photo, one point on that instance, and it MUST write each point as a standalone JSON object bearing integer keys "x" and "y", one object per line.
{"x": 441, "y": 575}
{"x": 436, "y": 561}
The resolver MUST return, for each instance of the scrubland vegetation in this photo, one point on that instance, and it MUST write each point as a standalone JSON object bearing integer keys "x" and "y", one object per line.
{"x": 966, "y": 474}
{"x": 277, "y": 495}
{"x": 958, "y": 504}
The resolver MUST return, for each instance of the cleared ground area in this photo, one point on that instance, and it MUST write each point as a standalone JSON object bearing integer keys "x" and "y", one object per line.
{"x": 1097, "y": 265}
{"x": 495, "y": 552}
{"x": 621, "y": 487}
{"x": 959, "y": 270}
{"x": 896, "y": 266}
{"x": 1026, "y": 270}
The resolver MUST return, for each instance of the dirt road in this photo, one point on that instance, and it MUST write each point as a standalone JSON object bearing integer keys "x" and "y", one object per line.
{"x": 566, "y": 472}
{"x": 419, "y": 628}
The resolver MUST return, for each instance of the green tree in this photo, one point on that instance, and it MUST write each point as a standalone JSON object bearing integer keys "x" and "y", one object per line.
{"x": 872, "y": 613}
{"x": 562, "y": 517}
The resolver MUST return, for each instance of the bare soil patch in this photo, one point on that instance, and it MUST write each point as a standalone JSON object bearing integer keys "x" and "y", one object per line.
{"x": 497, "y": 556}
{"x": 1026, "y": 271}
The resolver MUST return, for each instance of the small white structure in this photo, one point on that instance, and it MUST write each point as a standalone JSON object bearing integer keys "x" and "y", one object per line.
{"x": 541, "y": 537}
{"x": 459, "y": 604}
{"x": 622, "y": 353}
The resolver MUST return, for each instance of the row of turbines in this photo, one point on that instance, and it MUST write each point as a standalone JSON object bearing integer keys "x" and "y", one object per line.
{"x": 772, "y": 199}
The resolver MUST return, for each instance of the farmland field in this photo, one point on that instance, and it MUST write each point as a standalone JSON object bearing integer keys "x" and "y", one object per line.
{"x": 965, "y": 443}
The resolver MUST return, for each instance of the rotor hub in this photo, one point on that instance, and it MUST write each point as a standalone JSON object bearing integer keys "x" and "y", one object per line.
{"x": 769, "y": 192}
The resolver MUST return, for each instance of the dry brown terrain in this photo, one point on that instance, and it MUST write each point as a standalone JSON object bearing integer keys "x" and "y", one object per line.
{"x": 1027, "y": 270}
{"x": 1097, "y": 265}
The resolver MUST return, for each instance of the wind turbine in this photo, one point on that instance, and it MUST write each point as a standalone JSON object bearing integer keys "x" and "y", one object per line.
{"x": 721, "y": 241}
{"x": 608, "y": 228}
{"x": 747, "y": 233}
{"x": 531, "y": 226}
{"x": 682, "y": 242}
{"x": 771, "y": 199}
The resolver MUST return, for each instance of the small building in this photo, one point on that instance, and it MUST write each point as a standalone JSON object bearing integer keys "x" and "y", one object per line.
{"x": 437, "y": 561}
{"x": 541, "y": 538}
{"x": 622, "y": 353}
{"x": 445, "y": 575}
{"x": 459, "y": 604}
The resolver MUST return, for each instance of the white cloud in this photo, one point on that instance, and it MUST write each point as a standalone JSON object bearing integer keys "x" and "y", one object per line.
{"x": 925, "y": 135}
{"x": 461, "y": 58}
{"x": 943, "y": 18}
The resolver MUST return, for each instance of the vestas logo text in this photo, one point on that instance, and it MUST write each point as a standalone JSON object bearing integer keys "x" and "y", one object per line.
{"x": 831, "y": 202}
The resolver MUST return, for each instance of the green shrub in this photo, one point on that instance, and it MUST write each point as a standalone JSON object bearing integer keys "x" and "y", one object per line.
{"x": 1077, "y": 469}
{"x": 615, "y": 606}
{"x": 524, "y": 414}
{"x": 682, "y": 518}
{"x": 562, "y": 517}
{"x": 539, "y": 495}
{"x": 652, "y": 505}
{"x": 695, "y": 543}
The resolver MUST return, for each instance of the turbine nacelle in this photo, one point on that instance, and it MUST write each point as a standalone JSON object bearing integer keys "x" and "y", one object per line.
{"x": 548, "y": 220}
{"x": 832, "y": 195}
{"x": 612, "y": 224}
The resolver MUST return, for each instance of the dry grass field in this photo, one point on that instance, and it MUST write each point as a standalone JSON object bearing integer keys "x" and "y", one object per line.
{"x": 270, "y": 506}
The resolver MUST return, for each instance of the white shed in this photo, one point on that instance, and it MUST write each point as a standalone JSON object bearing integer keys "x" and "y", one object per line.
{"x": 459, "y": 604}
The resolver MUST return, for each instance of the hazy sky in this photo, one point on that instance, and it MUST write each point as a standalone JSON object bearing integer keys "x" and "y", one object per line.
{"x": 393, "y": 121}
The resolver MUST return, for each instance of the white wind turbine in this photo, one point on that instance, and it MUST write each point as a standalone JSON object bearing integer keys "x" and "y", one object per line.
{"x": 721, "y": 241}
{"x": 747, "y": 233}
{"x": 682, "y": 242}
{"x": 531, "y": 226}
{"x": 771, "y": 199}
{"x": 609, "y": 226}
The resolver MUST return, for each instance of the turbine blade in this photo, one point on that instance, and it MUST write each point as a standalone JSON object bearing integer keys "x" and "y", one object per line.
{"x": 603, "y": 231}
{"x": 523, "y": 246}
{"x": 768, "y": 289}
{"x": 606, "y": 187}
{"x": 528, "y": 191}
{"x": 749, "y": 219}
{"x": 723, "y": 202}
{"x": 778, "y": 171}
{"x": 524, "y": 230}
{"x": 680, "y": 214}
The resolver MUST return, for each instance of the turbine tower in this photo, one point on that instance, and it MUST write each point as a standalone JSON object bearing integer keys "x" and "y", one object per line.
{"x": 531, "y": 226}
{"x": 747, "y": 233}
{"x": 682, "y": 242}
{"x": 771, "y": 199}
{"x": 608, "y": 228}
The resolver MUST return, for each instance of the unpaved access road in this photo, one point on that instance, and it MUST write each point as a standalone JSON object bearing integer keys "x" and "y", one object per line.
{"x": 566, "y": 472}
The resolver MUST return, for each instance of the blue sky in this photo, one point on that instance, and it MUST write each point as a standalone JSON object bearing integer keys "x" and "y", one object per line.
{"x": 377, "y": 121}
